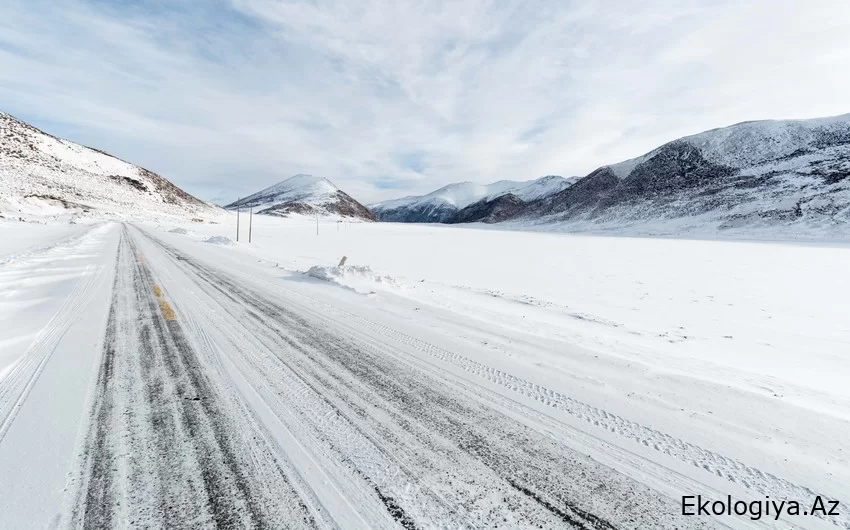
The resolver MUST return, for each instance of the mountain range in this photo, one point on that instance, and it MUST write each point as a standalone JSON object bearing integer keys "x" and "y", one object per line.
{"x": 43, "y": 175}
{"x": 305, "y": 195}
{"x": 791, "y": 173}
{"x": 448, "y": 204}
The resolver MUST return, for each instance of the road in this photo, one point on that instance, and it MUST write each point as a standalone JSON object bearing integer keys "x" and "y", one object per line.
{"x": 222, "y": 400}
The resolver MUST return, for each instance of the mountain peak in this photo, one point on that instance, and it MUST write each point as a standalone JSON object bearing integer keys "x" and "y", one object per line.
{"x": 303, "y": 194}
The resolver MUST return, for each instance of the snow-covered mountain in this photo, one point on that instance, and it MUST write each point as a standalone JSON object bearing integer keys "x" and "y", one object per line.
{"x": 776, "y": 178}
{"x": 788, "y": 175}
{"x": 442, "y": 205}
{"x": 304, "y": 194}
{"x": 48, "y": 176}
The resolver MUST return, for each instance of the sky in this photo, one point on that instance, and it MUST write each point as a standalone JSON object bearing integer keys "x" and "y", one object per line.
{"x": 389, "y": 98}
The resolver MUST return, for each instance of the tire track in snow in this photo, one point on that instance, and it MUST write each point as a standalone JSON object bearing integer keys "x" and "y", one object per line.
{"x": 17, "y": 384}
{"x": 163, "y": 449}
{"x": 526, "y": 464}
{"x": 724, "y": 467}
{"x": 749, "y": 477}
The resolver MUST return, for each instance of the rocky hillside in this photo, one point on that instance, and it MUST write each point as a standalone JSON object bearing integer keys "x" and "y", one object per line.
{"x": 466, "y": 201}
{"x": 41, "y": 174}
{"x": 789, "y": 175}
{"x": 776, "y": 178}
{"x": 305, "y": 195}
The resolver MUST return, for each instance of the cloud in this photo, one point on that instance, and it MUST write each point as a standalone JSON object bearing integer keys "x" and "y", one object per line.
{"x": 388, "y": 97}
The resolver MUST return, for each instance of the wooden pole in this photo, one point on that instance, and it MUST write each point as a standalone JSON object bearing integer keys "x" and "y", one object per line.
{"x": 317, "y": 224}
{"x": 237, "y": 219}
{"x": 250, "y": 222}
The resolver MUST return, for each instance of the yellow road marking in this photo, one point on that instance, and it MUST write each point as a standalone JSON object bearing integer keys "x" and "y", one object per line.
{"x": 164, "y": 306}
{"x": 167, "y": 312}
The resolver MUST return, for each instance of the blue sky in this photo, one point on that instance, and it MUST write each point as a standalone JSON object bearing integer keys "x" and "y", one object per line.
{"x": 393, "y": 97}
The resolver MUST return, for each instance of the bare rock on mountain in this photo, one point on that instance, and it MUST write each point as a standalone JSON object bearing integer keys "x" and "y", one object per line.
{"x": 445, "y": 204}
{"x": 784, "y": 178}
{"x": 40, "y": 173}
{"x": 304, "y": 195}
{"x": 754, "y": 175}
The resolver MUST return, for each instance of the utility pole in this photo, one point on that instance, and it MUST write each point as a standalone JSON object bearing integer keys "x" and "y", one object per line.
{"x": 250, "y": 222}
{"x": 237, "y": 218}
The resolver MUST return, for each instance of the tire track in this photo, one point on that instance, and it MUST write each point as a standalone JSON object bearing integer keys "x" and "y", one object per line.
{"x": 401, "y": 405}
{"x": 751, "y": 478}
{"x": 17, "y": 384}
{"x": 164, "y": 449}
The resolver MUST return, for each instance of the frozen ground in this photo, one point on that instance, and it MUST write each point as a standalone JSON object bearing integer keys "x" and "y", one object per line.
{"x": 441, "y": 375}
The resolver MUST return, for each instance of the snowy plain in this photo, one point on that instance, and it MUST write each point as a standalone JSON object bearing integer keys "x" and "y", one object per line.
{"x": 691, "y": 366}
{"x": 740, "y": 346}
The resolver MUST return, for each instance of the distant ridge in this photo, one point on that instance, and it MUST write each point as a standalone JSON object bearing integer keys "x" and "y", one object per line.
{"x": 788, "y": 177}
{"x": 444, "y": 204}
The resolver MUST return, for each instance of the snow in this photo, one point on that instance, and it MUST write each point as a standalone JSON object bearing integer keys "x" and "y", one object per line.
{"x": 53, "y": 302}
{"x": 303, "y": 195}
{"x": 84, "y": 158}
{"x": 360, "y": 278}
{"x": 643, "y": 285}
{"x": 218, "y": 240}
{"x": 750, "y": 143}
{"x": 537, "y": 189}
{"x": 38, "y": 172}
{"x": 36, "y": 281}
{"x": 685, "y": 365}
{"x": 736, "y": 346}
{"x": 462, "y": 194}
{"x": 18, "y": 238}
{"x": 299, "y": 188}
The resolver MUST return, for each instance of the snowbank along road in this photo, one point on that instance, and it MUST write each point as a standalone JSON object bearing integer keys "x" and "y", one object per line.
{"x": 207, "y": 396}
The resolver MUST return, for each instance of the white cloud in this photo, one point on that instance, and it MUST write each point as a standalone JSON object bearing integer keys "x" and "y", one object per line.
{"x": 226, "y": 98}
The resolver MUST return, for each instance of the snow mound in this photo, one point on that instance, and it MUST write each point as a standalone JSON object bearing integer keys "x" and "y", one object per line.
{"x": 219, "y": 240}
{"x": 179, "y": 230}
{"x": 358, "y": 277}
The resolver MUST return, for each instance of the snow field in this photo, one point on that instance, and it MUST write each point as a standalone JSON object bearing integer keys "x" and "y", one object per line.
{"x": 735, "y": 347}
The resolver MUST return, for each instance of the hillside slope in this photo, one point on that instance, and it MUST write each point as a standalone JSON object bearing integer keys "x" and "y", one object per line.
{"x": 790, "y": 175}
{"x": 41, "y": 174}
{"x": 304, "y": 194}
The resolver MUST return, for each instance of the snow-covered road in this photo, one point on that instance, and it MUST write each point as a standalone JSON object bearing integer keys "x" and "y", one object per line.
{"x": 202, "y": 391}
